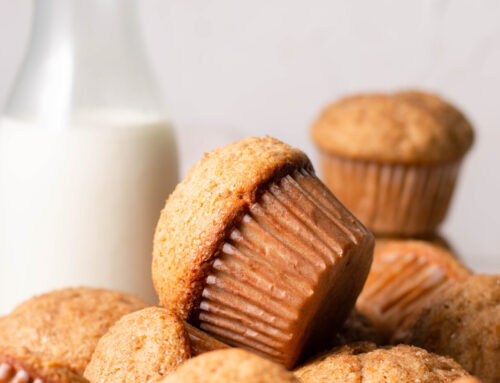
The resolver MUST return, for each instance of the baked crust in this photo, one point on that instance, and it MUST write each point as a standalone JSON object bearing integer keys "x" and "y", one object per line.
{"x": 463, "y": 322}
{"x": 142, "y": 346}
{"x": 364, "y": 362}
{"x": 230, "y": 366}
{"x": 409, "y": 127}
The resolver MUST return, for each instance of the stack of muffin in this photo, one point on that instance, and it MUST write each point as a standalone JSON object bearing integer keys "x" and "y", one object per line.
{"x": 258, "y": 268}
{"x": 398, "y": 157}
{"x": 393, "y": 160}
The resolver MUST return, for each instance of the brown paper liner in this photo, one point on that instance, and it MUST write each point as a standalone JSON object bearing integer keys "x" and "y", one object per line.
{"x": 21, "y": 365}
{"x": 201, "y": 342}
{"x": 392, "y": 199}
{"x": 401, "y": 282}
{"x": 289, "y": 273}
{"x": 10, "y": 374}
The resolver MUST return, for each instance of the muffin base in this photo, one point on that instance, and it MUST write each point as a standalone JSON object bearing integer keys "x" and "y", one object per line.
{"x": 392, "y": 199}
{"x": 296, "y": 248}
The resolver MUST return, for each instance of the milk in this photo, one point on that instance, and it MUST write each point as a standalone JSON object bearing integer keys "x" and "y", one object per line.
{"x": 78, "y": 205}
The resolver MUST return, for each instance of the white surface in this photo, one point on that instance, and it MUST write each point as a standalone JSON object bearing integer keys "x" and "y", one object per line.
{"x": 91, "y": 199}
{"x": 235, "y": 68}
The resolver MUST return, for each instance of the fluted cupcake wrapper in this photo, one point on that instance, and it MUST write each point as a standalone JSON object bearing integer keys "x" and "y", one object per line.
{"x": 21, "y": 365}
{"x": 403, "y": 285}
{"x": 392, "y": 199}
{"x": 10, "y": 374}
{"x": 201, "y": 342}
{"x": 289, "y": 273}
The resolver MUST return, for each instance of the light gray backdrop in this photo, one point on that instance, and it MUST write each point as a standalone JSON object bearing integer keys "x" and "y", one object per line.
{"x": 235, "y": 68}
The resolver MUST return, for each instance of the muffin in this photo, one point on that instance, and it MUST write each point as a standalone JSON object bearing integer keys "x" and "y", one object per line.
{"x": 397, "y": 156}
{"x": 145, "y": 346}
{"x": 463, "y": 322}
{"x": 405, "y": 275}
{"x": 230, "y": 366}
{"x": 51, "y": 337}
{"x": 364, "y": 362}
{"x": 251, "y": 245}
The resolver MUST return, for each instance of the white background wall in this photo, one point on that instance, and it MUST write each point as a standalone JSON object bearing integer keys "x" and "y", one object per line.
{"x": 235, "y": 68}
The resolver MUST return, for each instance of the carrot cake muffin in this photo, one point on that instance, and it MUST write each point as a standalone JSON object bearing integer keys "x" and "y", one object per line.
{"x": 230, "y": 366}
{"x": 405, "y": 275}
{"x": 50, "y": 338}
{"x": 251, "y": 244}
{"x": 397, "y": 156}
{"x": 364, "y": 362}
{"x": 145, "y": 346}
{"x": 463, "y": 322}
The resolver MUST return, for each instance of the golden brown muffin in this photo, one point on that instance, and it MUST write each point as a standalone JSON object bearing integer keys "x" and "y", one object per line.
{"x": 463, "y": 322}
{"x": 364, "y": 362}
{"x": 51, "y": 337}
{"x": 250, "y": 245}
{"x": 398, "y": 157}
{"x": 230, "y": 366}
{"x": 144, "y": 346}
{"x": 405, "y": 275}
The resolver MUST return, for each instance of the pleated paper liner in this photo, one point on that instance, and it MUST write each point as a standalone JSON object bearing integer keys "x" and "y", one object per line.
{"x": 201, "y": 342}
{"x": 403, "y": 280}
{"x": 392, "y": 199}
{"x": 289, "y": 273}
{"x": 9, "y": 374}
{"x": 20, "y": 365}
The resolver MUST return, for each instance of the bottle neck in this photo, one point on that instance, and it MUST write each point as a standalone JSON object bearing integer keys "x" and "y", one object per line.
{"x": 84, "y": 55}
{"x": 86, "y": 24}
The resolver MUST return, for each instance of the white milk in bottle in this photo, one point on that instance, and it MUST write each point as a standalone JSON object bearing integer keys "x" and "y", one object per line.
{"x": 79, "y": 206}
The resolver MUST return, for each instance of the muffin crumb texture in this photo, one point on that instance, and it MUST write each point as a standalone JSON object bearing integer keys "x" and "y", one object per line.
{"x": 364, "y": 362}
{"x": 230, "y": 366}
{"x": 142, "y": 346}
{"x": 463, "y": 322}
{"x": 405, "y": 127}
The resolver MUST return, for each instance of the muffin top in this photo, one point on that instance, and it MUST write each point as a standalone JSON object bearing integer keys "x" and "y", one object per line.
{"x": 405, "y": 275}
{"x": 463, "y": 322}
{"x": 408, "y": 127}
{"x": 363, "y": 362}
{"x": 230, "y": 366}
{"x": 142, "y": 346}
{"x": 199, "y": 213}
{"x": 53, "y": 336}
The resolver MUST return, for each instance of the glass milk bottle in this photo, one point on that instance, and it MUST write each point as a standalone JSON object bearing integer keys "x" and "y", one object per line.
{"x": 87, "y": 156}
